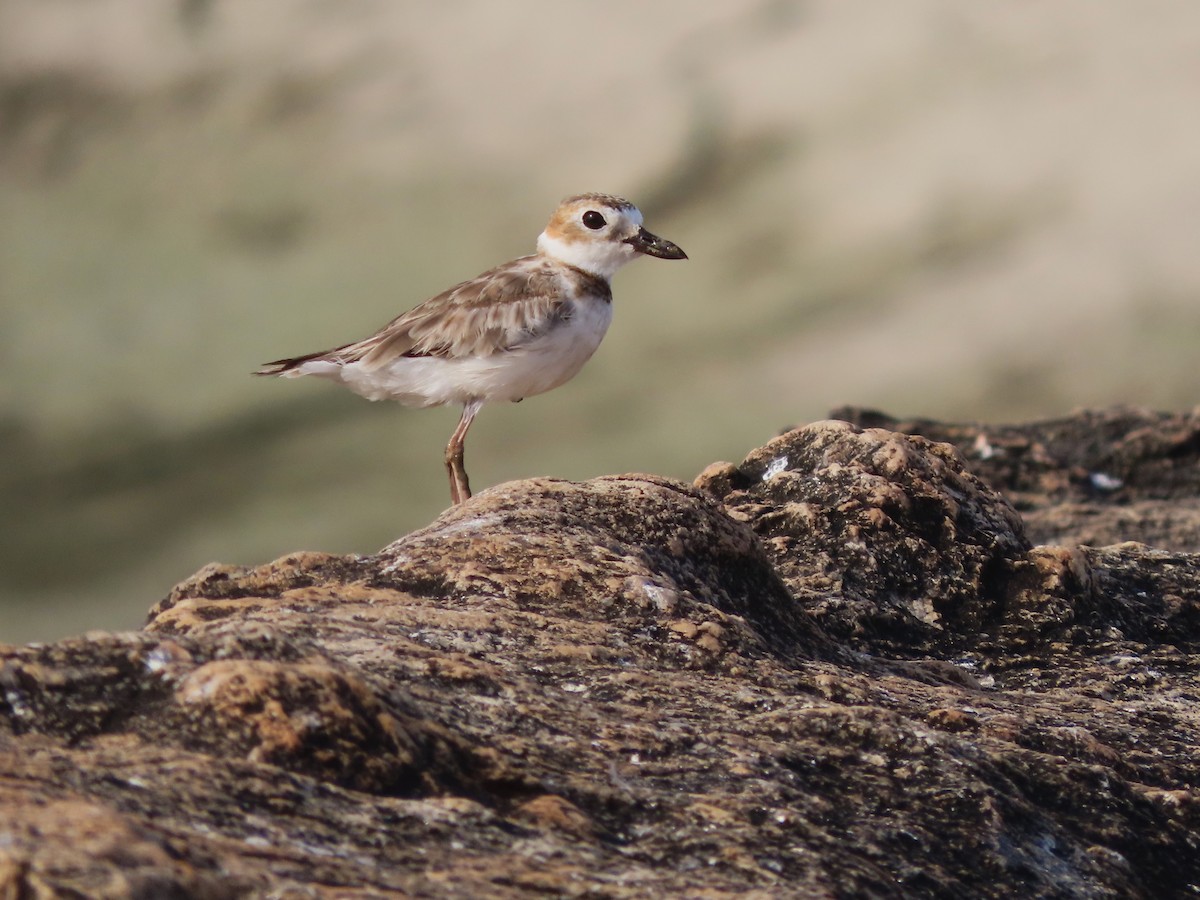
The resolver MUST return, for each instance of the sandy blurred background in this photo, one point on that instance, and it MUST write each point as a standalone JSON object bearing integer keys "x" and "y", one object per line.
{"x": 984, "y": 210}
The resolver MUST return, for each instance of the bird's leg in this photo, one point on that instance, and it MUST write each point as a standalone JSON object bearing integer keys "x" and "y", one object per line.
{"x": 460, "y": 487}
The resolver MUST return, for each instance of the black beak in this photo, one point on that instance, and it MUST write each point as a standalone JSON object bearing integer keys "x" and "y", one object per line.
{"x": 653, "y": 245}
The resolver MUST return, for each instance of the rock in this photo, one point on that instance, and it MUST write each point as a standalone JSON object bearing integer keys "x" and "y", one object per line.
{"x": 1096, "y": 477}
{"x": 889, "y": 540}
{"x": 838, "y": 668}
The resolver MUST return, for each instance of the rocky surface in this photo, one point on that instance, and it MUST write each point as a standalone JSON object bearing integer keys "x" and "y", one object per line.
{"x": 875, "y": 658}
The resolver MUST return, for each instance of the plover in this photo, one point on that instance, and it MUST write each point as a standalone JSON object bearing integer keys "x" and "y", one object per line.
{"x": 517, "y": 330}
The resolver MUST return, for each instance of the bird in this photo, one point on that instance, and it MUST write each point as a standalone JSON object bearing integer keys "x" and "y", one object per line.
{"x": 520, "y": 329}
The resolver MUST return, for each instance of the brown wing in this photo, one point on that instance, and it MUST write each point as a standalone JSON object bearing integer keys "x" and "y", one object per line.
{"x": 501, "y": 309}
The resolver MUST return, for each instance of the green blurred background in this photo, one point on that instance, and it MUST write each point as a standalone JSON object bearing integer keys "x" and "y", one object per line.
{"x": 985, "y": 210}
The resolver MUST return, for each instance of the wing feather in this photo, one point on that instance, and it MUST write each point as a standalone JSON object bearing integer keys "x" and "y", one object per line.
{"x": 498, "y": 311}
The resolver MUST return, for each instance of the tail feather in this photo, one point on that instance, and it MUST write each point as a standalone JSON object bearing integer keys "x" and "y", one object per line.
{"x": 284, "y": 366}
{"x": 287, "y": 367}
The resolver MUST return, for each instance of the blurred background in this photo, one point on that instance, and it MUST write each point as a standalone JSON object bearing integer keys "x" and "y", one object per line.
{"x": 980, "y": 211}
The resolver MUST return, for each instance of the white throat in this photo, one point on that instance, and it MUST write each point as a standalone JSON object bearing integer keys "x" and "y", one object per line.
{"x": 599, "y": 258}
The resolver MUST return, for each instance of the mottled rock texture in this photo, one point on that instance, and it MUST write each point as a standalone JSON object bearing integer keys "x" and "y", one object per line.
{"x": 876, "y": 658}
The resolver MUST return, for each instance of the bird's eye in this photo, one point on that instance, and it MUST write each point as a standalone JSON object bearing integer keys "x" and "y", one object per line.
{"x": 593, "y": 220}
